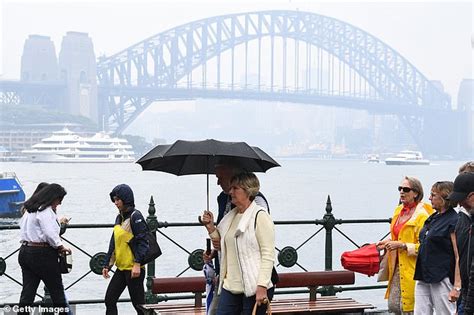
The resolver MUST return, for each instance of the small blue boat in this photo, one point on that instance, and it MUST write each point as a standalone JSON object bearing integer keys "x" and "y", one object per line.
{"x": 12, "y": 195}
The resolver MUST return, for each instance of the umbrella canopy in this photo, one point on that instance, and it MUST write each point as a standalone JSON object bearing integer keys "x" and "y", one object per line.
{"x": 200, "y": 157}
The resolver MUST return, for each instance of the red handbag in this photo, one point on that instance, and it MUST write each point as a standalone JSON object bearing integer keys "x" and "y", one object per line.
{"x": 365, "y": 259}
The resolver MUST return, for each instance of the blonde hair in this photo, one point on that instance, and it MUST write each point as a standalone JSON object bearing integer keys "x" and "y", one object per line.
{"x": 248, "y": 182}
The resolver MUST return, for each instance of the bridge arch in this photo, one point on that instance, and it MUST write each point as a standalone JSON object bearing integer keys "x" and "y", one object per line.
{"x": 153, "y": 68}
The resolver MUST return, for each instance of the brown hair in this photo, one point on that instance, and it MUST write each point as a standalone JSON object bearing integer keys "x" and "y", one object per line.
{"x": 416, "y": 186}
{"x": 467, "y": 167}
{"x": 445, "y": 188}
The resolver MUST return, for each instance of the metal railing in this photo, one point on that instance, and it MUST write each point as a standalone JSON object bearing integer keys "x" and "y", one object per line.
{"x": 287, "y": 256}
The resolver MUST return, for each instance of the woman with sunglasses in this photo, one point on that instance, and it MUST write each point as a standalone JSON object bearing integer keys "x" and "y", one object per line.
{"x": 438, "y": 257}
{"x": 402, "y": 247}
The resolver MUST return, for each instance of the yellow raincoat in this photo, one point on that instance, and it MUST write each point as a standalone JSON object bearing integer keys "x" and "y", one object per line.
{"x": 407, "y": 258}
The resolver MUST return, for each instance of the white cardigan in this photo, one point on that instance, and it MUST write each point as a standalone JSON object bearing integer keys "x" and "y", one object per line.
{"x": 248, "y": 249}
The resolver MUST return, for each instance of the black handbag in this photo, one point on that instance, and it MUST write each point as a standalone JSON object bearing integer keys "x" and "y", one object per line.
{"x": 65, "y": 262}
{"x": 275, "y": 278}
{"x": 153, "y": 251}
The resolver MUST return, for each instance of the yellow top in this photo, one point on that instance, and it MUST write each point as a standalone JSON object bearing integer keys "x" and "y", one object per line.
{"x": 123, "y": 253}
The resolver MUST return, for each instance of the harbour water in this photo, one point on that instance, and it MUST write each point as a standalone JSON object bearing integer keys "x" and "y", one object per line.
{"x": 296, "y": 191}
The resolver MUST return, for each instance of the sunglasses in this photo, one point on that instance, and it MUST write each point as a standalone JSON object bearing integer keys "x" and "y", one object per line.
{"x": 405, "y": 189}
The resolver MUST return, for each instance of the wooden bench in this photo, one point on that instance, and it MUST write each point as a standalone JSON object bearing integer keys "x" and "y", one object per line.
{"x": 311, "y": 280}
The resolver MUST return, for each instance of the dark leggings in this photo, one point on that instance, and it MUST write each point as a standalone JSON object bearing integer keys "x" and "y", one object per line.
{"x": 119, "y": 281}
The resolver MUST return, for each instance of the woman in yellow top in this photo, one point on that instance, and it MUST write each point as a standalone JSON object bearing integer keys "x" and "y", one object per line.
{"x": 402, "y": 247}
{"x": 130, "y": 273}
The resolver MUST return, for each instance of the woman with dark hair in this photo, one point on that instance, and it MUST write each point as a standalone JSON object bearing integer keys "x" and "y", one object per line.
{"x": 402, "y": 247}
{"x": 247, "y": 244}
{"x": 39, "y": 236}
{"x": 130, "y": 272}
{"x": 438, "y": 260}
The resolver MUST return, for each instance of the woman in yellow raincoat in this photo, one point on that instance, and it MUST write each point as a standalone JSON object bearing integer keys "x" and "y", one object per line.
{"x": 402, "y": 247}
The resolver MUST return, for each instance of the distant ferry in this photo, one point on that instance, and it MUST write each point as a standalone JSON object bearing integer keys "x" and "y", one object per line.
{"x": 373, "y": 158}
{"x": 407, "y": 158}
{"x": 12, "y": 195}
{"x": 67, "y": 147}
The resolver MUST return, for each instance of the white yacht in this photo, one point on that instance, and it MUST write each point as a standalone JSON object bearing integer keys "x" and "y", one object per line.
{"x": 66, "y": 146}
{"x": 407, "y": 158}
{"x": 373, "y": 158}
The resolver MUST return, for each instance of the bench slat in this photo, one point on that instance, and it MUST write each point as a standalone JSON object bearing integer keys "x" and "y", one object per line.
{"x": 315, "y": 278}
{"x": 287, "y": 280}
{"x": 179, "y": 285}
{"x": 325, "y": 304}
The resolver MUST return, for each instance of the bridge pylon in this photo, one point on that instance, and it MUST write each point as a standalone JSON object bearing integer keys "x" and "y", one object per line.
{"x": 77, "y": 68}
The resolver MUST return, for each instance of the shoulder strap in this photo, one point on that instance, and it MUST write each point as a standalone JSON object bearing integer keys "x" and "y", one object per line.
{"x": 266, "y": 201}
{"x": 256, "y": 215}
{"x": 144, "y": 220}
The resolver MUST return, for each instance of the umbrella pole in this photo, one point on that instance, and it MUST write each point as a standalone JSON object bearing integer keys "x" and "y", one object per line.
{"x": 207, "y": 191}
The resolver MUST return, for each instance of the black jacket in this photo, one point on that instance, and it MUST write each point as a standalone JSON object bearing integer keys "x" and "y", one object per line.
{"x": 465, "y": 249}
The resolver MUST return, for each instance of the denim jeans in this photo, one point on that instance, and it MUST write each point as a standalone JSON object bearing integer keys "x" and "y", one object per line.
{"x": 460, "y": 306}
{"x": 40, "y": 264}
{"x": 236, "y": 304}
{"x": 119, "y": 281}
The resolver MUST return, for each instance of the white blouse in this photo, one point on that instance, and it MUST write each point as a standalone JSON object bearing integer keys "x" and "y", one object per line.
{"x": 40, "y": 226}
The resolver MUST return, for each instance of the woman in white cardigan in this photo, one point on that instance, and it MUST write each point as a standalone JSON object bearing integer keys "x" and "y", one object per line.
{"x": 247, "y": 240}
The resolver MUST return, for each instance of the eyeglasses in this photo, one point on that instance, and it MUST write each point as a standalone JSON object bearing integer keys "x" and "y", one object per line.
{"x": 405, "y": 189}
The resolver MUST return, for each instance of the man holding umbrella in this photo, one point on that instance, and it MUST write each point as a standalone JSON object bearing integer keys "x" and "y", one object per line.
{"x": 224, "y": 172}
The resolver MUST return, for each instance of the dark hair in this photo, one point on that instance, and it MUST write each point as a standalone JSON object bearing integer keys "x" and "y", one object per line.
{"x": 38, "y": 188}
{"x": 45, "y": 197}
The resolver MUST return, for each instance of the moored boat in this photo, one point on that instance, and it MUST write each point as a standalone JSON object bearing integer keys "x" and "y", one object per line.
{"x": 67, "y": 147}
{"x": 12, "y": 195}
{"x": 407, "y": 158}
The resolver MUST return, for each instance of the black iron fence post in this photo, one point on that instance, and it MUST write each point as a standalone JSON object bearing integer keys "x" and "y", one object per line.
{"x": 329, "y": 223}
{"x": 153, "y": 226}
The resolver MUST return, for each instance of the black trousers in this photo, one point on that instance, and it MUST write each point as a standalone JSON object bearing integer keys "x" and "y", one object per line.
{"x": 119, "y": 281}
{"x": 40, "y": 264}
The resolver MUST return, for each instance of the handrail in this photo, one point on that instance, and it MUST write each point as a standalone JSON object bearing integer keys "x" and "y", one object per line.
{"x": 287, "y": 256}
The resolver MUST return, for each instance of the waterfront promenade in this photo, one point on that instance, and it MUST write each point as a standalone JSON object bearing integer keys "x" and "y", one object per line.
{"x": 297, "y": 191}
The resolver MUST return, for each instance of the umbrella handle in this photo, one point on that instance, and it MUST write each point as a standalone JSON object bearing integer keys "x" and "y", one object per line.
{"x": 200, "y": 219}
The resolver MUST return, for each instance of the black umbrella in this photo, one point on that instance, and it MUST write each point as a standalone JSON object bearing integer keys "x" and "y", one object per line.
{"x": 200, "y": 157}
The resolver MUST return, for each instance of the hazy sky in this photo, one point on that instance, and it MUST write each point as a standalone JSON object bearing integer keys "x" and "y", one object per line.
{"x": 433, "y": 35}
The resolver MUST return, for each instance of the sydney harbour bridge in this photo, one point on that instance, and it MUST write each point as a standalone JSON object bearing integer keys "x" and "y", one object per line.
{"x": 275, "y": 56}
